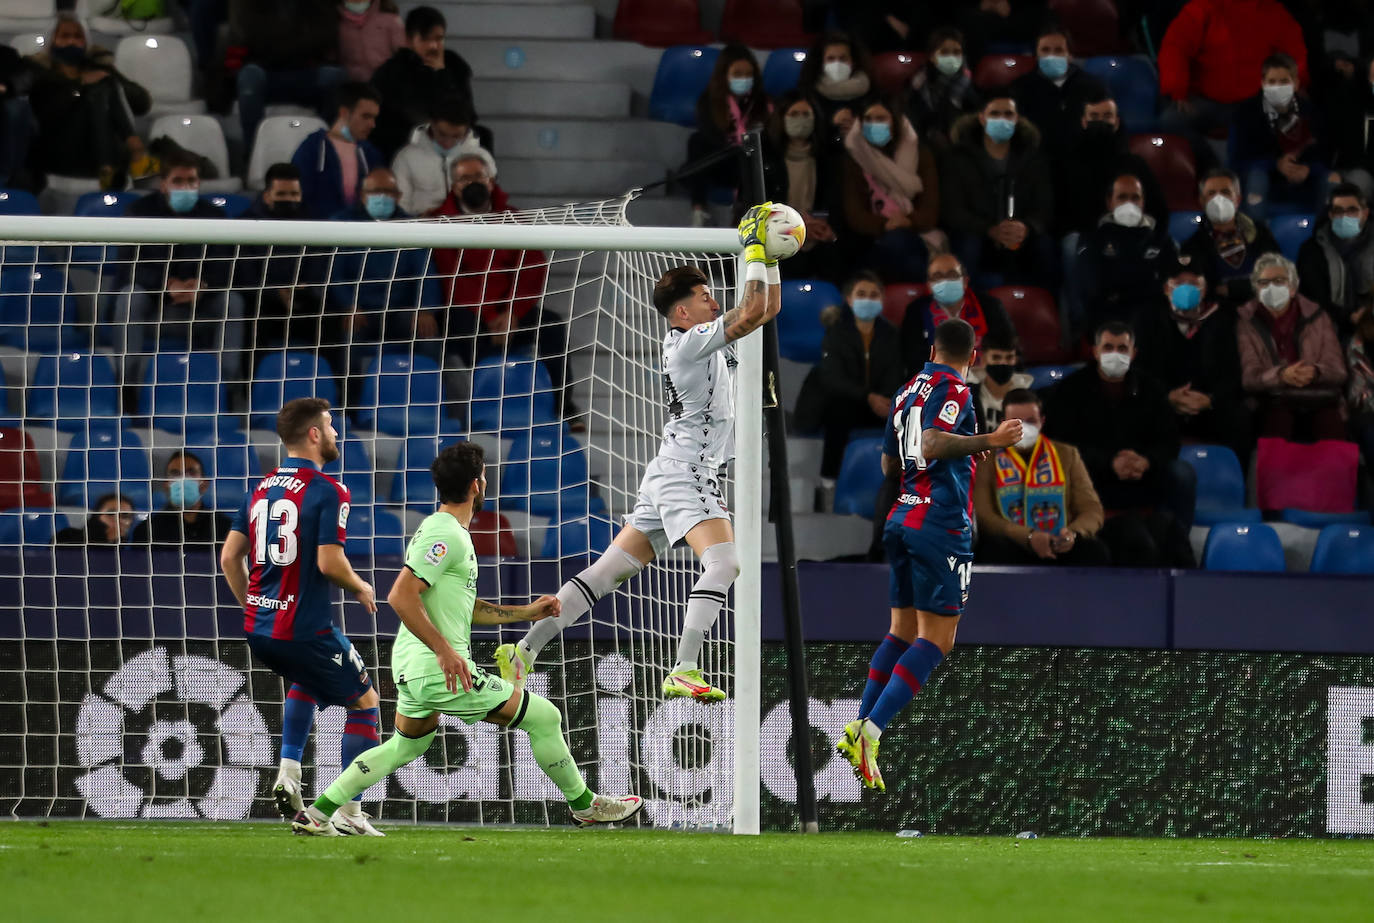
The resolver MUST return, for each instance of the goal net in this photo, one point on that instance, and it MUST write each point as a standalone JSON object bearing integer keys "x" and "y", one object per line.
{"x": 143, "y": 371}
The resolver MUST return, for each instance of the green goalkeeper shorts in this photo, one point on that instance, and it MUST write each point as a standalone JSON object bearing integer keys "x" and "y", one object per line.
{"x": 424, "y": 695}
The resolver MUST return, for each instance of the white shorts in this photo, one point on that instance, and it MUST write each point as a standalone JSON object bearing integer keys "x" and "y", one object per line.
{"x": 673, "y": 497}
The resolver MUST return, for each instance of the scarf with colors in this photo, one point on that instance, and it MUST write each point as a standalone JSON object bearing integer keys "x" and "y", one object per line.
{"x": 1035, "y": 484}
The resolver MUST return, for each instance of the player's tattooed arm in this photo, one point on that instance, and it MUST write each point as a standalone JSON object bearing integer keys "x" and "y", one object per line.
{"x": 485, "y": 613}
{"x": 756, "y": 308}
{"x": 936, "y": 443}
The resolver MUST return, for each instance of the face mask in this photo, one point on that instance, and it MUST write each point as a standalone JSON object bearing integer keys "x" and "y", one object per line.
{"x": 1114, "y": 365}
{"x": 439, "y": 148}
{"x": 867, "y": 308}
{"x": 948, "y": 291}
{"x": 380, "y": 206}
{"x": 184, "y": 493}
{"x": 475, "y": 196}
{"x": 740, "y": 86}
{"x": 1185, "y": 297}
{"x": 1099, "y": 130}
{"x": 1275, "y": 297}
{"x": 357, "y": 9}
{"x": 877, "y": 134}
{"x": 183, "y": 200}
{"x": 1029, "y": 433}
{"x": 799, "y": 126}
{"x": 1000, "y": 374}
{"x": 1220, "y": 210}
{"x": 70, "y": 54}
{"x": 1128, "y": 215}
{"x": 1279, "y": 95}
{"x": 1346, "y": 226}
{"x": 1054, "y": 66}
{"x": 346, "y": 133}
{"x": 837, "y": 71}
{"x": 949, "y": 64}
{"x": 286, "y": 209}
{"x": 1001, "y": 130}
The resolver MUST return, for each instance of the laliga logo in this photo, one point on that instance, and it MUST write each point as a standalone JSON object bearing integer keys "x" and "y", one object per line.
{"x": 123, "y": 731}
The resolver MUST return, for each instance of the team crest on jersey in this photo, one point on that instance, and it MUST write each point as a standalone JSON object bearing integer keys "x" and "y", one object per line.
{"x": 950, "y": 412}
{"x": 343, "y": 515}
{"x": 436, "y": 553}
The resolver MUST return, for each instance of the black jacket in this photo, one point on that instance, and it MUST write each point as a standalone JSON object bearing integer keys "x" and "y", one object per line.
{"x": 1121, "y": 269}
{"x": 1254, "y": 144}
{"x": 1200, "y": 252}
{"x": 287, "y": 34}
{"x": 409, "y": 89}
{"x": 841, "y": 379}
{"x": 152, "y": 264}
{"x": 974, "y": 196}
{"x": 1209, "y": 360}
{"x": 935, "y": 102}
{"x": 1337, "y": 274}
{"x": 1083, "y": 177}
{"x": 168, "y": 527}
{"x": 260, "y": 271}
{"x": 1056, "y": 110}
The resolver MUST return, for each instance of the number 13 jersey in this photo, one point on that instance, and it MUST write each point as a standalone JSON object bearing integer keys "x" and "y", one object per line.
{"x": 937, "y": 492}
{"x": 288, "y": 515}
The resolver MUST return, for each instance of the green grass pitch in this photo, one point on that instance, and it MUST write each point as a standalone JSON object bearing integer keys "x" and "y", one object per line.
{"x": 253, "y": 871}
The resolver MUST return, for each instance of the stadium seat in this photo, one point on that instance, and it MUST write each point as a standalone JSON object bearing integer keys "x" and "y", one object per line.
{"x": 764, "y": 23}
{"x": 374, "y": 531}
{"x": 1310, "y": 520}
{"x": 182, "y": 393}
{"x": 660, "y": 23}
{"x": 277, "y": 139}
{"x": 200, "y": 134}
{"x": 1291, "y": 232}
{"x": 683, "y": 72}
{"x": 782, "y": 69}
{"x": 492, "y": 536}
{"x": 1094, "y": 26}
{"x": 893, "y": 70}
{"x": 28, "y": 15}
{"x": 1171, "y": 159}
{"x": 234, "y": 469}
{"x": 1319, "y": 476}
{"x": 30, "y": 527}
{"x": 29, "y": 43}
{"x": 1220, "y": 485}
{"x": 354, "y": 466}
{"x": 21, "y": 475}
{"x": 1036, "y": 319}
{"x": 1000, "y": 70}
{"x": 861, "y": 476}
{"x": 402, "y": 396}
{"x": 1183, "y": 225}
{"x": 591, "y": 535}
{"x": 282, "y": 377}
{"x": 1344, "y": 549}
{"x": 18, "y": 202}
{"x": 1044, "y": 376}
{"x": 162, "y": 63}
{"x": 897, "y": 296}
{"x": 36, "y": 313}
{"x": 105, "y": 19}
{"x": 234, "y": 205}
{"x": 510, "y": 394}
{"x": 105, "y": 460}
{"x": 72, "y": 389}
{"x": 104, "y": 204}
{"x": 413, "y": 485}
{"x": 799, "y": 325}
{"x": 1249, "y": 546}
{"x": 1132, "y": 83}
{"x": 545, "y": 471}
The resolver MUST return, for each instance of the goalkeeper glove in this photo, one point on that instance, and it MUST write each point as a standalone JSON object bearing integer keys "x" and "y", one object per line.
{"x": 753, "y": 232}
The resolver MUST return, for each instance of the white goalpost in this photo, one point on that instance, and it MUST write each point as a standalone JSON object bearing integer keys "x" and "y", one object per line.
{"x": 142, "y": 370}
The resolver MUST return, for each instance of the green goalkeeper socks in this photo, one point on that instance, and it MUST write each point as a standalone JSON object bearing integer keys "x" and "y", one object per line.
{"x": 370, "y": 766}
{"x": 541, "y": 720}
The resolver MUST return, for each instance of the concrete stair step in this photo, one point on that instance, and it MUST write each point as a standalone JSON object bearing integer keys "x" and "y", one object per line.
{"x": 505, "y": 97}
{"x": 560, "y": 60}
{"x": 574, "y": 178}
{"x": 599, "y": 139}
{"x": 522, "y": 20}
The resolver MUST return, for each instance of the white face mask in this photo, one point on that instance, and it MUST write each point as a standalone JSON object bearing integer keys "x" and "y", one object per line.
{"x": 838, "y": 71}
{"x": 1279, "y": 95}
{"x": 1275, "y": 297}
{"x": 1128, "y": 215}
{"x": 1220, "y": 210}
{"x": 1029, "y": 433}
{"x": 1114, "y": 365}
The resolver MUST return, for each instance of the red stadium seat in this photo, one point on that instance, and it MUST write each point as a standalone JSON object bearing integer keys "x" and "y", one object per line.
{"x": 764, "y": 24}
{"x": 999, "y": 70}
{"x": 1035, "y": 316}
{"x": 1094, "y": 26}
{"x": 660, "y": 23}
{"x": 1320, "y": 477}
{"x": 492, "y": 536}
{"x": 893, "y": 70}
{"x": 21, "y": 481}
{"x": 1171, "y": 159}
{"x": 897, "y": 296}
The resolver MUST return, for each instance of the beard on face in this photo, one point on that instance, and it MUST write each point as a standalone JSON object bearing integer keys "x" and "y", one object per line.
{"x": 330, "y": 452}
{"x": 477, "y": 499}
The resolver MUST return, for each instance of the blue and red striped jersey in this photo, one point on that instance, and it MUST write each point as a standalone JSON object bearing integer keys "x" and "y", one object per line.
{"x": 936, "y": 492}
{"x": 290, "y": 513}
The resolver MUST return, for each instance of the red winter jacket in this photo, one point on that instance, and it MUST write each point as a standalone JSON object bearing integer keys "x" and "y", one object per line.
{"x": 1214, "y": 48}
{"x": 494, "y": 281}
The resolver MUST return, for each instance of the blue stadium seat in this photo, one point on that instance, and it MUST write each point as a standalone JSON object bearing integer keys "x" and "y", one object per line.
{"x": 282, "y": 377}
{"x": 72, "y": 389}
{"x": 1133, "y": 84}
{"x": 1043, "y": 376}
{"x": 1344, "y": 549}
{"x": 182, "y": 393}
{"x": 1291, "y": 232}
{"x": 511, "y": 394}
{"x": 104, "y": 460}
{"x": 861, "y": 475}
{"x": 234, "y": 469}
{"x": 374, "y": 531}
{"x": 1249, "y": 546}
{"x": 104, "y": 204}
{"x": 36, "y": 313}
{"x": 591, "y": 535}
{"x": 1220, "y": 485}
{"x": 234, "y": 205}
{"x": 1183, "y": 225}
{"x": 545, "y": 472}
{"x": 21, "y": 527}
{"x": 354, "y": 466}
{"x": 413, "y": 485}
{"x": 18, "y": 202}
{"x": 402, "y": 395}
{"x": 799, "y": 326}
{"x": 683, "y": 72}
{"x": 782, "y": 69}
{"x": 1310, "y": 520}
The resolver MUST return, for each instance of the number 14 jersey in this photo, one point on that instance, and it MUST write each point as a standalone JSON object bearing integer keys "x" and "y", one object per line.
{"x": 936, "y": 492}
{"x": 288, "y": 515}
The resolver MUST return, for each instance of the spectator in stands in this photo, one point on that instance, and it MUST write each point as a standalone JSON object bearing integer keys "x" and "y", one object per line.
{"x": 333, "y": 161}
{"x": 942, "y": 90}
{"x": 732, "y": 104}
{"x": 836, "y": 79}
{"x": 1360, "y": 392}
{"x": 1035, "y": 501}
{"x": 16, "y": 118}
{"x": 370, "y": 32}
{"x": 798, "y": 171}
{"x": 1096, "y": 155}
{"x": 1228, "y": 242}
{"x": 996, "y": 199}
{"x": 1188, "y": 345}
{"x": 996, "y": 377}
{"x": 891, "y": 193}
{"x": 109, "y": 523}
{"x": 1053, "y": 95}
{"x": 1123, "y": 427}
{"x": 1290, "y": 358}
{"x": 416, "y": 77}
{"x": 185, "y": 520}
{"x": 1336, "y": 263}
{"x": 84, "y": 110}
{"x": 951, "y": 296}
{"x": 423, "y": 166}
{"x": 1121, "y": 263}
{"x": 1003, "y": 23}
{"x": 1207, "y": 60}
{"x": 860, "y": 370}
{"x": 291, "y": 56}
{"x": 1350, "y": 108}
{"x": 1279, "y": 144}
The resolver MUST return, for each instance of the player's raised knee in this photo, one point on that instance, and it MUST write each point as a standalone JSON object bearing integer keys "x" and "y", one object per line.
{"x": 721, "y": 562}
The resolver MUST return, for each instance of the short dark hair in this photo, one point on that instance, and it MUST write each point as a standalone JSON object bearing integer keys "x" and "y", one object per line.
{"x": 1346, "y": 191}
{"x": 1219, "y": 173}
{"x": 1279, "y": 61}
{"x": 955, "y": 339}
{"x": 675, "y": 285}
{"x": 454, "y": 468}
{"x": 452, "y": 108}
{"x": 1000, "y": 339}
{"x": 1022, "y": 396}
{"x": 106, "y": 498}
{"x": 1114, "y": 328}
{"x": 944, "y": 34}
{"x": 296, "y": 417}
{"x": 863, "y": 275}
{"x": 423, "y": 19}
{"x": 287, "y": 172}
{"x": 185, "y": 456}
{"x": 180, "y": 159}
{"x": 1053, "y": 26}
{"x": 352, "y": 92}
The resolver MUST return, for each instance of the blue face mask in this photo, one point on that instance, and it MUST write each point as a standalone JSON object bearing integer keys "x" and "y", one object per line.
{"x": 877, "y": 133}
{"x": 380, "y": 206}
{"x": 1001, "y": 130}
{"x": 346, "y": 133}
{"x": 184, "y": 493}
{"x": 1185, "y": 297}
{"x": 867, "y": 308}
{"x": 1054, "y": 66}
{"x": 948, "y": 291}
{"x": 740, "y": 86}
{"x": 1346, "y": 226}
{"x": 182, "y": 200}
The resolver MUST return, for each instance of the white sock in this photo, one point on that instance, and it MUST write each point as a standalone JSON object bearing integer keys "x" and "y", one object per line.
{"x": 871, "y": 730}
{"x": 351, "y": 808}
{"x": 579, "y": 594}
{"x": 290, "y": 769}
{"x": 719, "y": 568}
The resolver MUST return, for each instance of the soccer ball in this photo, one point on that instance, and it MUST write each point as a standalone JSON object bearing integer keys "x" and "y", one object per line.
{"x": 786, "y": 233}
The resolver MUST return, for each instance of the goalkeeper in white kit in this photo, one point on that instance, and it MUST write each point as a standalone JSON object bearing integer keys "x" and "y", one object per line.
{"x": 680, "y": 496}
